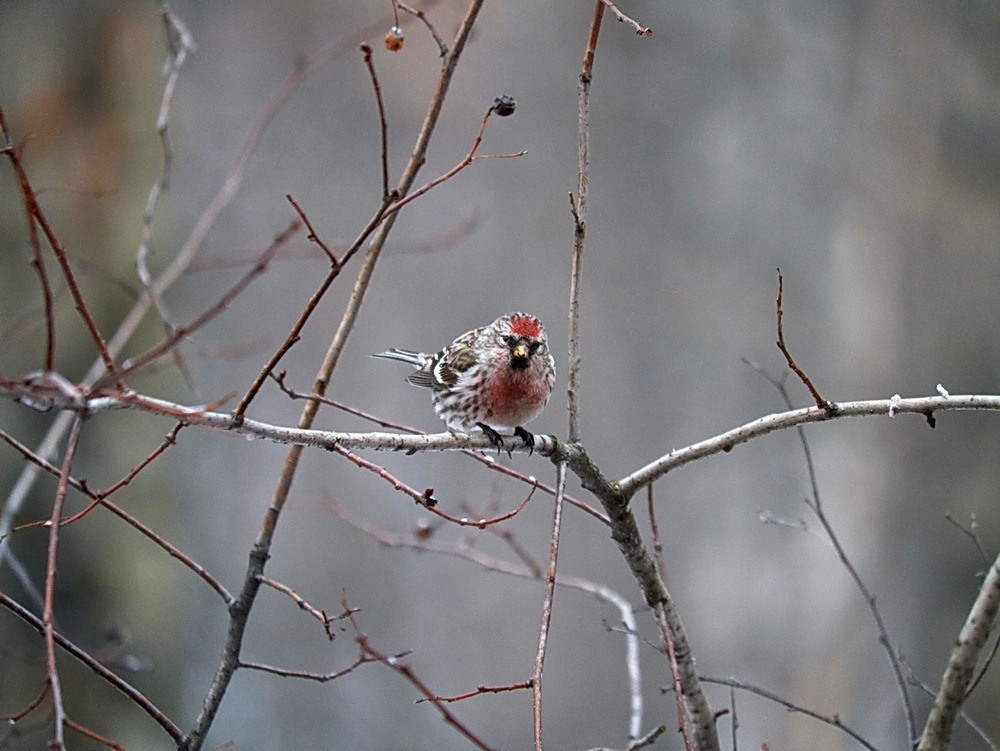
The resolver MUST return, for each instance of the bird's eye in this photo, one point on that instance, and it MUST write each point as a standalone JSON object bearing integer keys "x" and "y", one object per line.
{"x": 508, "y": 339}
{"x": 535, "y": 347}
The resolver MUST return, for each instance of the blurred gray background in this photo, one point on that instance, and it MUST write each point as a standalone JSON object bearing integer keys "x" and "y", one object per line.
{"x": 855, "y": 145}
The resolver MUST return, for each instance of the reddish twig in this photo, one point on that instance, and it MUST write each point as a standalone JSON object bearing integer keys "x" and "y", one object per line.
{"x": 296, "y": 331}
{"x": 312, "y": 237}
{"x": 93, "y": 735}
{"x": 48, "y": 613}
{"x": 169, "y": 441}
{"x": 35, "y": 216}
{"x": 442, "y": 47}
{"x": 35, "y": 704}
{"x": 426, "y": 498}
{"x": 397, "y": 666}
{"x": 366, "y": 51}
{"x": 469, "y": 159}
{"x": 319, "y": 615}
{"x": 479, "y": 691}
{"x": 36, "y": 262}
{"x": 81, "y": 486}
{"x": 829, "y": 407}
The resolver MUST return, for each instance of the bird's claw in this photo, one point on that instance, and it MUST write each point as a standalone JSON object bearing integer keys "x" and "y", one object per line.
{"x": 528, "y": 438}
{"x": 496, "y": 440}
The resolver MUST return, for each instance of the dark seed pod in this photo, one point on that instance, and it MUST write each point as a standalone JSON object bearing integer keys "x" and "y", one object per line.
{"x": 504, "y": 106}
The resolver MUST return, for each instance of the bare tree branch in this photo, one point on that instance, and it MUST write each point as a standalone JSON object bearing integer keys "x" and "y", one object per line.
{"x": 957, "y": 678}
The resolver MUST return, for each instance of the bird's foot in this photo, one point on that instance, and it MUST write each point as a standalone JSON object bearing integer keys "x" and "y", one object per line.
{"x": 496, "y": 440}
{"x": 528, "y": 438}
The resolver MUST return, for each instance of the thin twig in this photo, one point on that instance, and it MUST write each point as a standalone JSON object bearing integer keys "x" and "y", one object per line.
{"x": 479, "y": 691}
{"x": 306, "y": 675}
{"x": 734, "y": 723}
{"x": 180, "y": 44}
{"x": 171, "y": 549}
{"x": 648, "y": 739}
{"x": 426, "y": 498}
{"x": 578, "y": 206}
{"x": 48, "y": 614}
{"x": 32, "y": 706}
{"x": 170, "y": 440}
{"x": 313, "y": 236}
{"x": 442, "y": 47}
{"x": 366, "y": 51}
{"x": 970, "y": 532}
{"x": 135, "y": 696}
{"x": 529, "y": 570}
{"x": 550, "y": 586}
{"x": 668, "y": 638}
{"x": 36, "y": 261}
{"x": 815, "y": 504}
{"x": 822, "y": 403}
{"x": 400, "y": 667}
{"x": 466, "y": 161}
{"x": 833, "y": 721}
{"x": 319, "y": 615}
{"x": 93, "y": 735}
{"x": 181, "y": 332}
{"x": 622, "y": 18}
{"x": 36, "y": 216}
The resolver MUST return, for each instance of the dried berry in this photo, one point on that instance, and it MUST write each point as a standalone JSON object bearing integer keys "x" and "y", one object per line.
{"x": 394, "y": 39}
{"x": 504, "y": 106}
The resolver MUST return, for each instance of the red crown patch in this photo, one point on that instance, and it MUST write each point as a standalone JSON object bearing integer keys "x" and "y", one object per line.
{"x": 525, "y": 326}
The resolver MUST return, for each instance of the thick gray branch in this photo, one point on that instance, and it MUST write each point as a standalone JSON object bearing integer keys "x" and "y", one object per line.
{"x": 957, "y": 677}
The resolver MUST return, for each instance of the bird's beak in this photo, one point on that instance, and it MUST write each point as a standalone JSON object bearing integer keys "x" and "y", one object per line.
{"x": 520, "y": 352}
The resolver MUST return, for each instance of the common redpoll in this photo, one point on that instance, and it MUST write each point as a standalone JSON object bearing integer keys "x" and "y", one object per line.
{"x": 495, "y": 378}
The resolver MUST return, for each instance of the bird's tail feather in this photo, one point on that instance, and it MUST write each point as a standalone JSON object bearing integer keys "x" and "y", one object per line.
{"x": 416, "y": 359}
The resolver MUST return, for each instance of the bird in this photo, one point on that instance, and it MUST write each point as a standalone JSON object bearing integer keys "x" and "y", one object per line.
{"x": 495, "y": 378}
